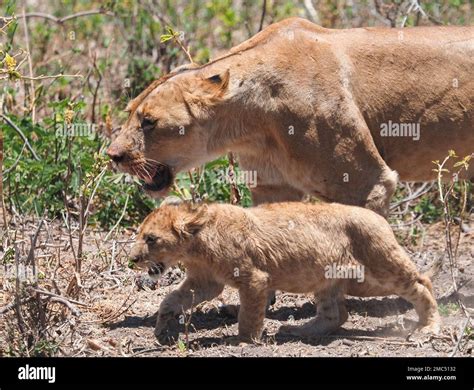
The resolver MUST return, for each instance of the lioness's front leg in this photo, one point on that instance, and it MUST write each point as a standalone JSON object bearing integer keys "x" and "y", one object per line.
{"x": 191, "y": 292}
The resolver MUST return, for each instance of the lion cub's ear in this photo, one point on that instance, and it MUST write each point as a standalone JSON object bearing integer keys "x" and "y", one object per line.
{"x": 190, "y": 223}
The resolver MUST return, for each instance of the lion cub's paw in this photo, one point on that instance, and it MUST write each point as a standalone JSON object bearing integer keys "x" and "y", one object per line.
{"x": 167, "y": 336}
{"x": 166, "y": 331}
{"x": 434, "y": 328}
{"x": 313, "y": 328}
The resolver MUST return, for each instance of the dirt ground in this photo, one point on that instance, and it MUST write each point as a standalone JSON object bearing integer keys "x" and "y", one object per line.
{"x": 117, "y": 317}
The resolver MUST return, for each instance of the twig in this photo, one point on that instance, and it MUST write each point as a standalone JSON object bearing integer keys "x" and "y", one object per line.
{"x": 96, "y": 90}
{"x": 147, "y": 350}
{"x": 30, "y": 67}
{"x": 311, "y": 11}
{"x": 188, "y": 321}
{"x": 264, "y": 11}
{"x": 234, "y": 189}
{"x": 20, "y": 133}
{"x": 12, "y": 305}
{"x": 74, "y": 310}
{"x": 43, "y": 77}
{"x": 181, "y": 45}
{"x": 63, "y": 19}
{"x": 446, "y": 217}
{"x": 369, "y": 338}
{"x": 17, "y": 161}
{"x": 53, "y": 295}
{"x": 19, "y": 317}
{"x": 119, "y": 220}
{"x": 419, "y": 192}
{"x": 192, "y": 187}
{"x": 405, "y": 224}
{"x": 463, "y": 330}
{"x": 31, "y": 254}
{"x": 98, "y": 179}
{"x": 415, "y": 6}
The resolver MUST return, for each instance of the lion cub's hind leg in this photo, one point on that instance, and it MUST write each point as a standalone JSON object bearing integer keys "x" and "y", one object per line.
{"x": 331, "y": 314}
{"x": 419, "y": 294}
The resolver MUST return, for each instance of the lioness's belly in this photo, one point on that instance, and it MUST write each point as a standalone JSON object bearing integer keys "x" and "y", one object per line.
{"x": 416, "y": 93}
{"x": 413, "y": 160}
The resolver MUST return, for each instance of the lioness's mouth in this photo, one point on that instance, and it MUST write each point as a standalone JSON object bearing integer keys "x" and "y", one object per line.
{"x": 161, "y": 179}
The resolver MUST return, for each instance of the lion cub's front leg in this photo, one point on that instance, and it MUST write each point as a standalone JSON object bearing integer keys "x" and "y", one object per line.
{"x": 192, "y": 291}
{"x": 253, "y": 305}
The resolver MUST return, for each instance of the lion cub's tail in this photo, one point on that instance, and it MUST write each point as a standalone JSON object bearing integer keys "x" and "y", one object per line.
{"x": 433, "y": 271}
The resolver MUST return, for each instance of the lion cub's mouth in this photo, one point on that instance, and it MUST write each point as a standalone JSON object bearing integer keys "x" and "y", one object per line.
{"x": 162, "y": 178}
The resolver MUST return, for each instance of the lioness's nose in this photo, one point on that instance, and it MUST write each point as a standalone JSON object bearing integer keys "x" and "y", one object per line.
{"x": 116, "y": 153}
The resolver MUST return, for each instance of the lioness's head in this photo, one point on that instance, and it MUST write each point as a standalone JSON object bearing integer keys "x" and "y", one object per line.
{"x": 165, "y": 235}
{"x": 167, "y": 129}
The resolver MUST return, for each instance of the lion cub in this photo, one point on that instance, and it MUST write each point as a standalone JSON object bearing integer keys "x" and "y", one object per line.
{"x": 327, "y": 249}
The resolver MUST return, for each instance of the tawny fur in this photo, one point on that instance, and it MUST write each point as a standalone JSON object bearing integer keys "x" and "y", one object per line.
{"x": 303, "y": 106}
{"x": 280, "y": 246}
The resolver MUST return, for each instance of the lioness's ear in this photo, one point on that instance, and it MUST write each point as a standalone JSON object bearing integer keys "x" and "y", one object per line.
{"x": 192, "y": 222}
{"x": 220, "y": 81}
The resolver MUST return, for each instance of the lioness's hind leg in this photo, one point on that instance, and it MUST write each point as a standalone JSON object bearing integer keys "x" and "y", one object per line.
{"x": 331, "y": 314}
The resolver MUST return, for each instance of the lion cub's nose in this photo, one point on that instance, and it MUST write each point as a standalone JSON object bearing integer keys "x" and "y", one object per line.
{"x": 116, "y": 153}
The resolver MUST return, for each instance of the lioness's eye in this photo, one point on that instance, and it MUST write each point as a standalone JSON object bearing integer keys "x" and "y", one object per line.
{"x": 151, "y": 239}
{"x": 148, "y": 124}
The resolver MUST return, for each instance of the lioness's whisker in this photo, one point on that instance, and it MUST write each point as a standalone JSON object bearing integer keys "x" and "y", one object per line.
{"x": 139, "y": 170}
{"x": 143, "y": 172}
{"x": 150, "y": 160}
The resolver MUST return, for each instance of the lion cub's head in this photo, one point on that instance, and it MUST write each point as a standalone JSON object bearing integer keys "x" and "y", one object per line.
{"x": 165, "y": 235}
{"x": 168, "y": 127}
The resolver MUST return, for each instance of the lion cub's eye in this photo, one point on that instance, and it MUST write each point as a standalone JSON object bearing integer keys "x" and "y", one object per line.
{"x": 148, "y": 124}
{"x": 151, "y": 239}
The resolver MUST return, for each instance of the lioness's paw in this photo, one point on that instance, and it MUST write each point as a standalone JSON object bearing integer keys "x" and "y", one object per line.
{"x": 236, "y": 341}
{"x": 231, "y": 311}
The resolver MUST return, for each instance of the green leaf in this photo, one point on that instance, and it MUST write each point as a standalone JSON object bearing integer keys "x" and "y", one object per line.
{"x": 166, "y": 37}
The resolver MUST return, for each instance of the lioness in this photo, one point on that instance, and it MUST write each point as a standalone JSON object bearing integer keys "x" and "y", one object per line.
{"x": 295, "y": 247}
{"x": 331, "y": 113}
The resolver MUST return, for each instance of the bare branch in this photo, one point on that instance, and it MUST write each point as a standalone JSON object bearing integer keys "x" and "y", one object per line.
{"x": 20, "y": 133}
{"x": 264, "y": 11}
{"x": 63, "y": 19}
{"x": 311, "y": 11}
